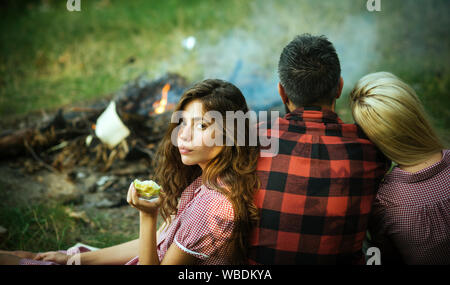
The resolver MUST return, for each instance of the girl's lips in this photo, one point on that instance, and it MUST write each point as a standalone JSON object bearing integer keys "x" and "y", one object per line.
{"x": 184, "y": 150}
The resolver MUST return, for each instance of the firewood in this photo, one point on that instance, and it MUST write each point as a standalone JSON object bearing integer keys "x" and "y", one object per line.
{"x": 13, "y": 144}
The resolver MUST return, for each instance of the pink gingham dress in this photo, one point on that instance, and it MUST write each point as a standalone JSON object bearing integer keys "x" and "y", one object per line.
{"x": 71, "y": 251}
{"x": 412, "y": 211}
{"x": 202, "y": 226}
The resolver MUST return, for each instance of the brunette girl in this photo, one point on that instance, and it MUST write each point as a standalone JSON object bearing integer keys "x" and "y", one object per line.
{"x": 207, "y": 191}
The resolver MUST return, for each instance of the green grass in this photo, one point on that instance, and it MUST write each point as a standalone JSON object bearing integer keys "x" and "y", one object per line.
{"x": 417, "y": 50}
{"x": 50, "y": 57}
{"x": 47, "y": 227}
{"x": 413, "y": 43}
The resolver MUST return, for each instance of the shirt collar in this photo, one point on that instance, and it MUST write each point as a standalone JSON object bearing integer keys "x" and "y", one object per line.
{"x": 313, "y": 114}
{"x": 424, "y": 174}
{"x": 196, "y": 185}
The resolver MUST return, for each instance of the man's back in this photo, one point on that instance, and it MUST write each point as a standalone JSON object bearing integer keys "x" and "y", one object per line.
{"x": 317, "y": 192}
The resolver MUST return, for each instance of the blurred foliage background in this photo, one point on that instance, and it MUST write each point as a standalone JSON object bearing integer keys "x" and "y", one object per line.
{"x": 50, "y": 57}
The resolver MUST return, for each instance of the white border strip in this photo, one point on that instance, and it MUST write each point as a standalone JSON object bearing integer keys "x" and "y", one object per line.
{"x": 190, "y": 251}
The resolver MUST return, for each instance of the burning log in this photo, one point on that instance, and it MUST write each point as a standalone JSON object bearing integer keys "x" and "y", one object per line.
{"x": 12, "y": 143}
{"x": 63, "y": 127}
{"x": 69, "y": 139}
{"x": 142, "y": 96}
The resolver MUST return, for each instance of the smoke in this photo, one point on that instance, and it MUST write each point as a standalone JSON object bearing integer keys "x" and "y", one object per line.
{"x": 242, "y": 59}
{"x": 248, "y": 56}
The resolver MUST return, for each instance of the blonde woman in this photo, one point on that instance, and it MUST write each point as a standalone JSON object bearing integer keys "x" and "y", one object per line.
{"x": 411, "y": 217}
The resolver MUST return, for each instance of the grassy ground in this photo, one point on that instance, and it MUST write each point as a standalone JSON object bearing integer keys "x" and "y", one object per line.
{"x": 50, "y": 57}
{"x": 45, "y": 227}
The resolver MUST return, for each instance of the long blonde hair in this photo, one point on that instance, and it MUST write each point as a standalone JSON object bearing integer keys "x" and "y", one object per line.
{"x": 391, "y": 114}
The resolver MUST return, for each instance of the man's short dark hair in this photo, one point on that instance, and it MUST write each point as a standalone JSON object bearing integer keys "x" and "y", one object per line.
{"x": 309, "y": 71}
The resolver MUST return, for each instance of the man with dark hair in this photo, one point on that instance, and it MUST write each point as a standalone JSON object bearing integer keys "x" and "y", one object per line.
{"x": 310, "y": 73}
{"x": 316, "y": 193}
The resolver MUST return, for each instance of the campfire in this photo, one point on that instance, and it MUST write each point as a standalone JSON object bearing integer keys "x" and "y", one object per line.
{"x": 70, "y": 138}
{"x": 74, "y": 146}
{"x": 159, "y": 106}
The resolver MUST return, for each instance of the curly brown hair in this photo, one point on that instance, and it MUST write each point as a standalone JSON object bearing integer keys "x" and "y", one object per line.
{"x": 232, "y": 172}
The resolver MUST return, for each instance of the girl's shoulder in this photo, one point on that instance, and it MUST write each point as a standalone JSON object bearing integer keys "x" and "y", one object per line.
{"x": 212, "y": 201}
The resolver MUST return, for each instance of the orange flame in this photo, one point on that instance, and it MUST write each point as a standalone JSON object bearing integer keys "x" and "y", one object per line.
{"x": 160, "y": 106}
{"x": 93, "y": 126}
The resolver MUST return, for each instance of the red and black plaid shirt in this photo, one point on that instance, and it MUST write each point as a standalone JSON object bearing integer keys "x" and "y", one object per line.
{"x": 317, "y": 192}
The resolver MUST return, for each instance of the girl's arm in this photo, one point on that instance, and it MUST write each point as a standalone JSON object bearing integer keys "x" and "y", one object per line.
{"x": 148, "y": 213}
{"x": 147, "y": 239}
{"x": 147, "y": 234}
{"x": 147, "y": 245}
{"x": 118, "y": 254}
{"x": 175, "y": 256}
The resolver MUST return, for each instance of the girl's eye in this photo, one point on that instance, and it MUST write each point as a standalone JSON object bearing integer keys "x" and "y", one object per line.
{"x": 201, "y": 126}
{"x": 182, "y": 123}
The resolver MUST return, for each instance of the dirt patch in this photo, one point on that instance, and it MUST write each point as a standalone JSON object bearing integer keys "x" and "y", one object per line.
{"x": 64, "y": 157}
{"x": 97, "y": 196}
